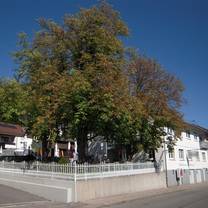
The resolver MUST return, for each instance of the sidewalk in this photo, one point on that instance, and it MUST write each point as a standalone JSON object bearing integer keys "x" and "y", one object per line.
{"x": 119, "y": 199}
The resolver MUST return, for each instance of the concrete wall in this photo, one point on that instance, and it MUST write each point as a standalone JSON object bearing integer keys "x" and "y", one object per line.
{"x": 66, "y": 190}
{"x": 190, "y": 176}
{"x": 63, "y": 190}
{"x": 52, "y": 189}
{"x": 96, "y": 188}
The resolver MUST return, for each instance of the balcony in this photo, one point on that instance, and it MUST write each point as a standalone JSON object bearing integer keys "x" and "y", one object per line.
{"x": 204, "y": 145}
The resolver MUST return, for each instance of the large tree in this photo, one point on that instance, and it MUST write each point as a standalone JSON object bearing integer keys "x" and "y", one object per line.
{"x": 160, "y": 92}
{"x": 74, "y": 74}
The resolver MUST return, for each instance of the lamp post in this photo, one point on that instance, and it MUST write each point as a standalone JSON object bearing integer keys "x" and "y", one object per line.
{"x": 166, "y": 168}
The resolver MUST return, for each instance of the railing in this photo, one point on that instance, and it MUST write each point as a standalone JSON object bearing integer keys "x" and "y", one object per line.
{"x": 204, "y": 145}
{"x": 77, "y": 171}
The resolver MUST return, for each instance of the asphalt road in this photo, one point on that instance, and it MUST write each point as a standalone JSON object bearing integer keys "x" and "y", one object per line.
{"x": 195, "y": 196}
{"x": 10, "y": 197}
{"x": 13, "y": 198}
{"x": 191, "y": 197}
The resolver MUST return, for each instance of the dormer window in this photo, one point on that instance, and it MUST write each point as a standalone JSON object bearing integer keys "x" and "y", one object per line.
{"x": 195, "y": 137}
{"x": 188, "y": 135}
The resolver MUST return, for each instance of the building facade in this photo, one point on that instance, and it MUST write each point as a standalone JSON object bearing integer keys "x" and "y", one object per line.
{"x": 187, "y": 161}
{"x": 13, "y": 140}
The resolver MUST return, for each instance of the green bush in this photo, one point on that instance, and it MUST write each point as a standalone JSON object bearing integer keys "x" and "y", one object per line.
{"x": 63, "y": 160}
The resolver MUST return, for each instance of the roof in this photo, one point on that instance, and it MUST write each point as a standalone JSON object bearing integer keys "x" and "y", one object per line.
{"x": 11, "y": 129}
{"x": 200, "y": 131}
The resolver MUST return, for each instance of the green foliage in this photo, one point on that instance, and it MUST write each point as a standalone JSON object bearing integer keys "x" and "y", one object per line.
{"x": 63, "y": 161}
{"x": 13, "y": 99}
{"x": 73, "y": 79}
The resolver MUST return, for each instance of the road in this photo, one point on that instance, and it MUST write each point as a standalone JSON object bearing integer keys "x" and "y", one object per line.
{"x": 190, "y": 197}
{"x": 13, "y": 198}
{"x": 195, "y": 196}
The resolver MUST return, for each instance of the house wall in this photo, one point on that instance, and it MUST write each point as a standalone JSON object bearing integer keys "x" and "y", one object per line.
{"x": 187, "y": 170}
{"x": 190, "y": 176}
{"x": 186, "y": 144}
{"x": 20, "y": 143}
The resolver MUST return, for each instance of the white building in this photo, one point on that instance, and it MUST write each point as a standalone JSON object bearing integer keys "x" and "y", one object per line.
{"x": 13, "y": 140}
{"x": 187, "y": 162}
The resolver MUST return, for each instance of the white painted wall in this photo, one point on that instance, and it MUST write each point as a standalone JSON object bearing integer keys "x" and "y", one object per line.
{"x": 186, "y": 144}
{"x": 20, "y": 143}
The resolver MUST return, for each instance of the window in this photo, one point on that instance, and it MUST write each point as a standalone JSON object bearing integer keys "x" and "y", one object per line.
{"x": 23, "y": 145}
{"x": 181, "y": 154}
{"x": 170, "y": 131}
{"x": 197, "y": 156}
{"x": 171, "y": 154}
{"x": 204, "y": 156}
{"x": 195, "y": 137}
{"x": 193, "y": 154}
{"x": 189, "y": 154}
{"x": 188, "y": 135}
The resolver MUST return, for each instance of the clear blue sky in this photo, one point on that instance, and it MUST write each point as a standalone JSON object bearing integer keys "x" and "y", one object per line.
{"x": 175, "y": 32}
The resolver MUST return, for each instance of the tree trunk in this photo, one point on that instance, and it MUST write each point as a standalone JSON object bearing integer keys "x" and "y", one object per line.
{"x": 81, "y": 146}
{"x": 44, "y": 147}
{"x": 153, "y": 155}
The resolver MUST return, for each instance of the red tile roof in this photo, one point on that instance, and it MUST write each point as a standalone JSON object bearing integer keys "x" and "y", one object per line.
{"x": 11, "y": 129}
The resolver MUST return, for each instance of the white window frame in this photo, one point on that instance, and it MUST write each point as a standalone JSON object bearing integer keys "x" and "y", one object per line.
{"x": 197, "y": 157}
{"x": 189, "y": 155}
{"x": 171, "y": 154}
{"x": 181, "y": 153}
{"x": 204, "y": 156}
{"x": 195, "y": 137}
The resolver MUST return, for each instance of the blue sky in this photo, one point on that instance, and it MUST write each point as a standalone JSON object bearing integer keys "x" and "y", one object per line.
{"x": 174, "y": 32}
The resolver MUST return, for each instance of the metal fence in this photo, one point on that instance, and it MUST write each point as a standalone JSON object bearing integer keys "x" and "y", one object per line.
{"x": 77, "y": 171}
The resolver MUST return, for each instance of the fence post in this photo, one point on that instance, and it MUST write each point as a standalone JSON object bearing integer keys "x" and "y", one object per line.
{"x": 85, "y": 171}
{"x": 52, "y": 166}
{"x": 24, "y": 167}
{"x": 37, "y": 166}
{"x": 75, "y": 181}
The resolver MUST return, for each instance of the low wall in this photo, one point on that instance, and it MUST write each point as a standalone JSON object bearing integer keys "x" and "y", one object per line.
{"x": 64, "y": 190}
{"x": 189, "y": 176}
{"x": 49, "y": 188}
{"x": 96, "y": 188}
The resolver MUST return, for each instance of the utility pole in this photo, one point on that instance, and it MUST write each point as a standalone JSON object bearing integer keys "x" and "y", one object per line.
{"x": 166, "y": 168}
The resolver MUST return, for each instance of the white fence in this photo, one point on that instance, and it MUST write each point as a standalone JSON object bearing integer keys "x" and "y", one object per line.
{"x": 77, "y": 171}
